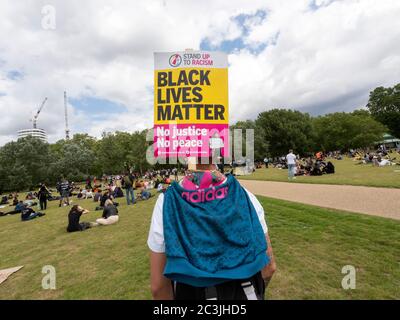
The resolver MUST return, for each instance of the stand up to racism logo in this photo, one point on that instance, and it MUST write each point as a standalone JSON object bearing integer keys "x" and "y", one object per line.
{"x": 175, "y": 60}
{"x": 190, "y": 103}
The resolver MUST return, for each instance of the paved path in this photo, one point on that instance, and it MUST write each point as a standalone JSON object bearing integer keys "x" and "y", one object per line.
{"x": 382, "y": 202}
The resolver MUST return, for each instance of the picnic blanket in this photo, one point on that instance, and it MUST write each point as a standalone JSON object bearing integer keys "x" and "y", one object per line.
{"x": 5, "y": 273}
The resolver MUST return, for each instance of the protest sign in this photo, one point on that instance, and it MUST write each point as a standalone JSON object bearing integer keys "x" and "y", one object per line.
{"x": 190, "y": 103}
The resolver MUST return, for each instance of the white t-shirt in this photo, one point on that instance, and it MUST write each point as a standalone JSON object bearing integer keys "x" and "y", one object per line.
{"x": 384, "y": 162}
{"x": 291, "y": 158}
{"x": 156, "y": 241}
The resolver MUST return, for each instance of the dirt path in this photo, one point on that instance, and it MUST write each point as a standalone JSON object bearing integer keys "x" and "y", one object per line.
{"x": 373, "y": 201}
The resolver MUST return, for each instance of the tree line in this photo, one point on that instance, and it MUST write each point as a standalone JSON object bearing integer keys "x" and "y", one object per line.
{"x": 278, "y": 130}
{"x": 27, "y": 162}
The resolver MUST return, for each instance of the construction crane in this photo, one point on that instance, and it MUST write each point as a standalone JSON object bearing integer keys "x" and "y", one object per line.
{"x": 66, "y": 116}
{"x": 34, "y": 120}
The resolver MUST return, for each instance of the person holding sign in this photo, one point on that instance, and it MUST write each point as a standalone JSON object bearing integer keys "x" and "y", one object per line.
{"x": 208, "y": 237}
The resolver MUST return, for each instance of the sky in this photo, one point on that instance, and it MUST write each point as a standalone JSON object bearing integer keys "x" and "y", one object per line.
{"x": 316, "y": 56}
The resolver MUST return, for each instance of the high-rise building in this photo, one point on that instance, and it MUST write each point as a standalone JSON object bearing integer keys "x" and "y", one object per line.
{"x": 37, "y": 133}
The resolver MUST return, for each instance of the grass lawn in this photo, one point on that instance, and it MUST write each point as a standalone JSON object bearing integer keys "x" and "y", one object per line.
{"x": 346, "y": 172}
{"x": 311, "y": 246}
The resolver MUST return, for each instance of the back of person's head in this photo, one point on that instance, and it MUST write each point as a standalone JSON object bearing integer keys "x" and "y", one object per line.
{"x": 75, "y": 208}
{"x": 290, "y": 150}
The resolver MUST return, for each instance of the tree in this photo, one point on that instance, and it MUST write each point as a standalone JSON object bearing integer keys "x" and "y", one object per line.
{"x": 344, "y": 131}
{"x": 73, "y": 159}
{"x": 286, "y": 129}
{"x": 384, "y": 105}
{"x": 25, "y": 163}
{"x": 116, "y": 152}
{"x": 136, "y": 157}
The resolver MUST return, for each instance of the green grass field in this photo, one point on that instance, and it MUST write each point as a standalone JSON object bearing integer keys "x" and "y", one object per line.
{"x": 311, "y": 246}
{"x": 346, "y": 173}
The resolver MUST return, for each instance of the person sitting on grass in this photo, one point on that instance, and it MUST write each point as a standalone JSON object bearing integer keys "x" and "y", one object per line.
{"x": 160, "y": 188}
{"x": 118, "y": 193}
{"x": 29, "y": 196}
{"x": 4, "y": 200}
{"x": 15, "y": 199}
{"x": 87, "y": 194}
{"x": 97, "y": 195}
{"x": 80, "y": 194}
{"x": 74, "y": 216}
{"x": 384, "y": 162}
{"x": 329, "y": 168}
{"x": 106, "y": 196}
{"x": 28, "y": 213}
{"x": 144, "y": 194}
{"x": 110, "y": 214}
{"x": 316, "y": 171}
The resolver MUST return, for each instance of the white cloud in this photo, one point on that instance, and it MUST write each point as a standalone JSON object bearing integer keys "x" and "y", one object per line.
{"x": 323, "y": 60}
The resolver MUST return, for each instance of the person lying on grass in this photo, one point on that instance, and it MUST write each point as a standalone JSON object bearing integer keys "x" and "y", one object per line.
{"x": 18, "y": 208}
{"x": 28, "y": 213}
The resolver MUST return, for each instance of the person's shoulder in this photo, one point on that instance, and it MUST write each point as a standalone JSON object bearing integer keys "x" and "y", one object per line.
{"x": 250, "y": 194}
{"x": 158, "y": 207}
{"x": 160, "y": 198}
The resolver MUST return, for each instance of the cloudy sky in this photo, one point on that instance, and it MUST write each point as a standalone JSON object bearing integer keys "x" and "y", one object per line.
{"x": 318, "y": 56}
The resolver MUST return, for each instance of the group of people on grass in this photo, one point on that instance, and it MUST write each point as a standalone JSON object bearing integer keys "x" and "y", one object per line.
{"x": 109, "y": 216}
{"x": 317, "y": 165}
{"x": 381, "y": 157}
{"x": 25, "y": 207}
{"x": 227, "y": 255}
{"x": 311, "y": 166}
{"x": 208, "y": 236}
{"x": 113, "y": 187}
{"x": 104, "y": 192}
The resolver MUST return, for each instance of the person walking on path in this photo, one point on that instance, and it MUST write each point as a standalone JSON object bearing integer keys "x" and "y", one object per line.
{"x": 291, "y": 163}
